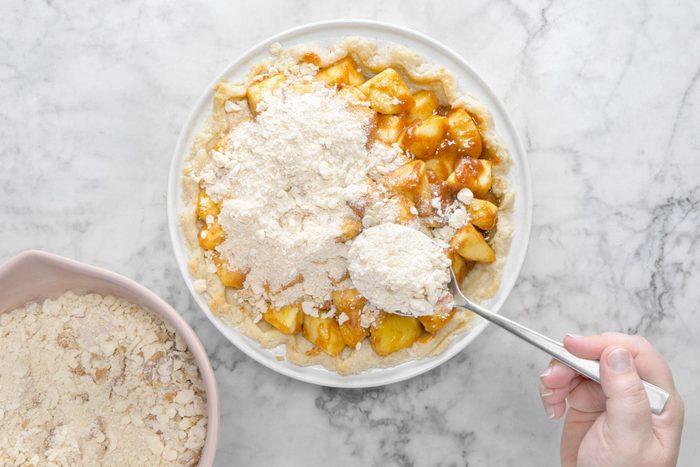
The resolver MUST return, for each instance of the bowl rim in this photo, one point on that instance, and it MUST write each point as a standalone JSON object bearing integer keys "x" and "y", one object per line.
{"x": 155, "y": 304}
{"x": 246, "y": 344}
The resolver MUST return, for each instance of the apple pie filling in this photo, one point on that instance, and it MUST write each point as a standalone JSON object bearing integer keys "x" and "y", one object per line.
{"x": 308, "y": 154}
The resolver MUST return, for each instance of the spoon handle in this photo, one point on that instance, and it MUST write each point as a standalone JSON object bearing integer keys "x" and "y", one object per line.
{"x": 588, "y": 368}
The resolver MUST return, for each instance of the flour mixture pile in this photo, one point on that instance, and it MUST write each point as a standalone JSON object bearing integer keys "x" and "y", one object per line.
{"x": 399, "y": 269}
{"x": 289, "y": 182}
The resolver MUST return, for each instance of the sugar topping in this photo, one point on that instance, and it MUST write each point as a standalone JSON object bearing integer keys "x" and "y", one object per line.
{"x": 399, "y": 269}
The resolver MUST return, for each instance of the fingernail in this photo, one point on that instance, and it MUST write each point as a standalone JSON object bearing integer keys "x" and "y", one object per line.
{"x": 620, "y": 360}
{"x": 574, "y": 336}
{"x": 547, "y": 371}
{"x": 550, "y": 411}
{"x": 544, "y": 390}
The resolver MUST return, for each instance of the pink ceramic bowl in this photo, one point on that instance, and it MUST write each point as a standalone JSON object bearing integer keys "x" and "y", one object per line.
{"x": 36, "y": 275}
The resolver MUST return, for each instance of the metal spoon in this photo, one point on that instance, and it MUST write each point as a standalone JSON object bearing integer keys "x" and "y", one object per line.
{"x": 588, "y": 368}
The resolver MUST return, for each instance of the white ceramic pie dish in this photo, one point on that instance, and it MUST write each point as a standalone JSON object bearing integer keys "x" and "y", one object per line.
{"x": 467, "y": 81}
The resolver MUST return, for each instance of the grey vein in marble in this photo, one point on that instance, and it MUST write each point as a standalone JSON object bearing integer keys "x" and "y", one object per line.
{"x": 604, "y": 94}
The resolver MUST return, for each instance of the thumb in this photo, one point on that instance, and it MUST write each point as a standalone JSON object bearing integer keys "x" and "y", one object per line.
{"x": 628, "y": 414}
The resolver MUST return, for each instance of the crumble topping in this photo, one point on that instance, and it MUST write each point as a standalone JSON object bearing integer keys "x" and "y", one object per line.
{"x": 401, "y": 270}
{"x": 288, "y": 181}
{"x": 465, "y": 196}
{"x": 92, "y": 380}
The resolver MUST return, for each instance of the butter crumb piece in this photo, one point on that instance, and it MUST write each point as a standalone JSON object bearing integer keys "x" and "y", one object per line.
{"x": 184, "y": 397}
{"x": 275, "y": 48}
{"x": 458, "y": 218}
{"x": 230, "y": 106}
{"x": 200, "y": 286}
{"x": 154, "y": 444}
{"x": 169, "y": 454}
{"x": 465, "y": 196}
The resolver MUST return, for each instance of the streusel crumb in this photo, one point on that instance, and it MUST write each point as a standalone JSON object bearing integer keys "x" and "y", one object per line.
{"x": 92, "y": 380}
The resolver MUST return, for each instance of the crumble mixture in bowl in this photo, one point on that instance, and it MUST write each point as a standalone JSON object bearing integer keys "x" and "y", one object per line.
{"x": 97, "y": 380}
{"x": 317, "y": 145}
{"x": 102, "y": 371}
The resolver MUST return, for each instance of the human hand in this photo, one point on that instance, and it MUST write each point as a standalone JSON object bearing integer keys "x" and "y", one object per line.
{"x": 611, "y": 424}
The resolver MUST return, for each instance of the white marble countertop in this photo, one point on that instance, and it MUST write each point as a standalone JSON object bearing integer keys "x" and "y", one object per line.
{"x": 606, "y": 97}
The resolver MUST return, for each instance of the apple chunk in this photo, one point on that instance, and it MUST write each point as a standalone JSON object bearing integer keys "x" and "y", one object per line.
{"x": 470, "y": 245}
